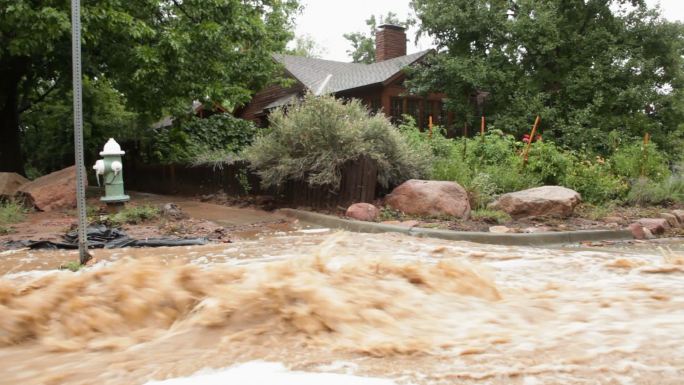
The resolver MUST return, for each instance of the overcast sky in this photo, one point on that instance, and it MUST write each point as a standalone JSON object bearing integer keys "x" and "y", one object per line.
{"x": 327, "y": 20}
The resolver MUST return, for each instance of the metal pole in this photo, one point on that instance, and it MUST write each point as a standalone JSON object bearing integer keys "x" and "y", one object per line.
{"x": 78, "y": 130}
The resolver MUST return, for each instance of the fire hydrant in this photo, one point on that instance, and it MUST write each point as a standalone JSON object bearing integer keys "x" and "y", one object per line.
{"x": 111, "y": 170}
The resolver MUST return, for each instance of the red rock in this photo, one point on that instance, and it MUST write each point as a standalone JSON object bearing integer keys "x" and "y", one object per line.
{"x": 671, "y": 219}
{"x": 363, "y": 212}
{"x": 655, "y": 225}
{"x": 540, "y": 201}
{"x": 10, "y": 183}
{"x": 648, "y": 233}
{"x": 53, "y": 191}
{"x": 637, "y": 231}
{"x": 430, "y": 198}
{"x": 680, "y": 215}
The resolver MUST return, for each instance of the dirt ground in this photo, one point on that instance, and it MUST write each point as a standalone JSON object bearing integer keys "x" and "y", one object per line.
{"x": 218, "y": 224}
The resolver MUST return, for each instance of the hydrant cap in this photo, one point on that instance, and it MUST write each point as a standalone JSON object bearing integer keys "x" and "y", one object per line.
{"x": 111, "y": 148}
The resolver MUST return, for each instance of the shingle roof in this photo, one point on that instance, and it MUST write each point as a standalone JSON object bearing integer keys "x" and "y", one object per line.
{"x": 345, "y": 76}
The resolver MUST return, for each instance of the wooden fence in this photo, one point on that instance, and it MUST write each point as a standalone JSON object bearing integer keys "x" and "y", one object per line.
{"x": 358, "y": 183}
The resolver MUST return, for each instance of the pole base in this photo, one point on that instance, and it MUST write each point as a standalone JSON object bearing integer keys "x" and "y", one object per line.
{"x": 115, "y": 207}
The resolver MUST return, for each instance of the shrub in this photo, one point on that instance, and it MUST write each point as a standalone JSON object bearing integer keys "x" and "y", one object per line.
{"x": 497, "y": 159}
{"x": 481, "y": 191}
{"x": 594, "y": 181}
{"x": 200, "y": 140}
{"x": 648, "y": 192}
{"x": 312, "y": 140}
{"x": 435, "y": 142}
{"x": 10, "y": 212}
{"x": 134, "y": 215}
{"x": 636, "y": 160}
{"x": 490, "y": 216}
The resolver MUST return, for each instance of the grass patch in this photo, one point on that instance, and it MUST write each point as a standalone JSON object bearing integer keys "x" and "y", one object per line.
{"x": 136, "y": 214}
{"x": 71, "y": 266}
{"x": 10, "y": 212}
{"x": 131, "y": 215}
{"x": 594, "y": 212}
{"x": 490, "y": 216}
{"x": 389, "y": 214}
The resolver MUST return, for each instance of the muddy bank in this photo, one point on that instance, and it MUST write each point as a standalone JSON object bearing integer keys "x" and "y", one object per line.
{"x": 413, "y": 310}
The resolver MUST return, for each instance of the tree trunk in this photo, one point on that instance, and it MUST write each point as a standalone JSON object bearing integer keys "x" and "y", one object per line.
{"x": 10, "y": 144}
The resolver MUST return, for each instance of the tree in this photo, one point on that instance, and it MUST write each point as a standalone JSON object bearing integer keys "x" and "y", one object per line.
{"x": 47, "y": 132}
{"x": 306, "y": 46}
{"x": 160, "y": 53}
{"x": 363, "y": 45}
{"x": 587, "y": 67}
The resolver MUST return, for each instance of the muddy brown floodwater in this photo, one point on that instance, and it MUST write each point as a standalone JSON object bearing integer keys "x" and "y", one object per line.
{"x": 413, "y": 310}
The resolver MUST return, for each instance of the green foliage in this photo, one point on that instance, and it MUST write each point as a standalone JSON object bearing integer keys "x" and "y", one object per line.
{"x": 587, "y": 67}
{"x": 435, "y": 143}
{"x": 481, "y": 191}
{"x": 490, "y": 216}
{"x": 214, "y": 140}
{"x": 48, "y": 134}
{"x": 636, "y": 160}
{"x": 495, "y": 166}
{"x": 595, "y": 181}
{"x": 594, "y": 212}
{"x": 315, "y": 138}
{"x": 72, "y": 266}
{"x": 133, "y": 215}
{"x": 363, "y": 45}
{"x": 648, "y": 192}
{"x": 161, "y": 55}
{"x": 244, "y": 181}
{"x": 11, "y": 212}
{"x": 495, "y": 162}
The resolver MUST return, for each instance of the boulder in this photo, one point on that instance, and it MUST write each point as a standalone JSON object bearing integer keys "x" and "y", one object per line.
{"x": 671, "y": 219}
{"x": 430, "y": 198}
{"x": 363, "y": 212}
{"x": 537, "y": 202}
{"x": 172, "y": 211}
{"x": 53, "y": 191}
{"x": 637, "y": 231}
{"x": 500, "y": 229}
{"x": 680, "y": 215}
{"x": 10, "y": 183}
{"x": 655, "y": 225}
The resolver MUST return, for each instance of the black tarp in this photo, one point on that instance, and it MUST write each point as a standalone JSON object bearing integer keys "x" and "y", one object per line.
{"x": 104, "y": 237}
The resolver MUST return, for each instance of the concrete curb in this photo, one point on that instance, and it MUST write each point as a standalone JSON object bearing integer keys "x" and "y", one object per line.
{"x": 537, "y": 239}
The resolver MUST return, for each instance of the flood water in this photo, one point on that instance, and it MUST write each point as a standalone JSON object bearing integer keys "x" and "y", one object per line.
{"x": 414, "y": 311}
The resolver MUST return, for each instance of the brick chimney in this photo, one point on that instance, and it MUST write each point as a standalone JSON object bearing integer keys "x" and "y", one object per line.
{"x": 390, "y": 42}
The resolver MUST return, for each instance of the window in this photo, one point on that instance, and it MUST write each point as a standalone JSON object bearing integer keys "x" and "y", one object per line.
{"x": 375, "y": 105}
{"x": 413, "y": 109}
{"x": 396, "y": 109}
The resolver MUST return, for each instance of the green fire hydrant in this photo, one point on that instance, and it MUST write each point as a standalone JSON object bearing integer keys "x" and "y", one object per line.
{"x": 111, "y": 169}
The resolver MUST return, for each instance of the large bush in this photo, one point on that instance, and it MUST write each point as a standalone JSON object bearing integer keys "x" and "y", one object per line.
{"x": 215, "y": 136}
{"x": 637, "y": 160}
{"x": 312, "y": 140}
{"x": 494, "y": 166}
